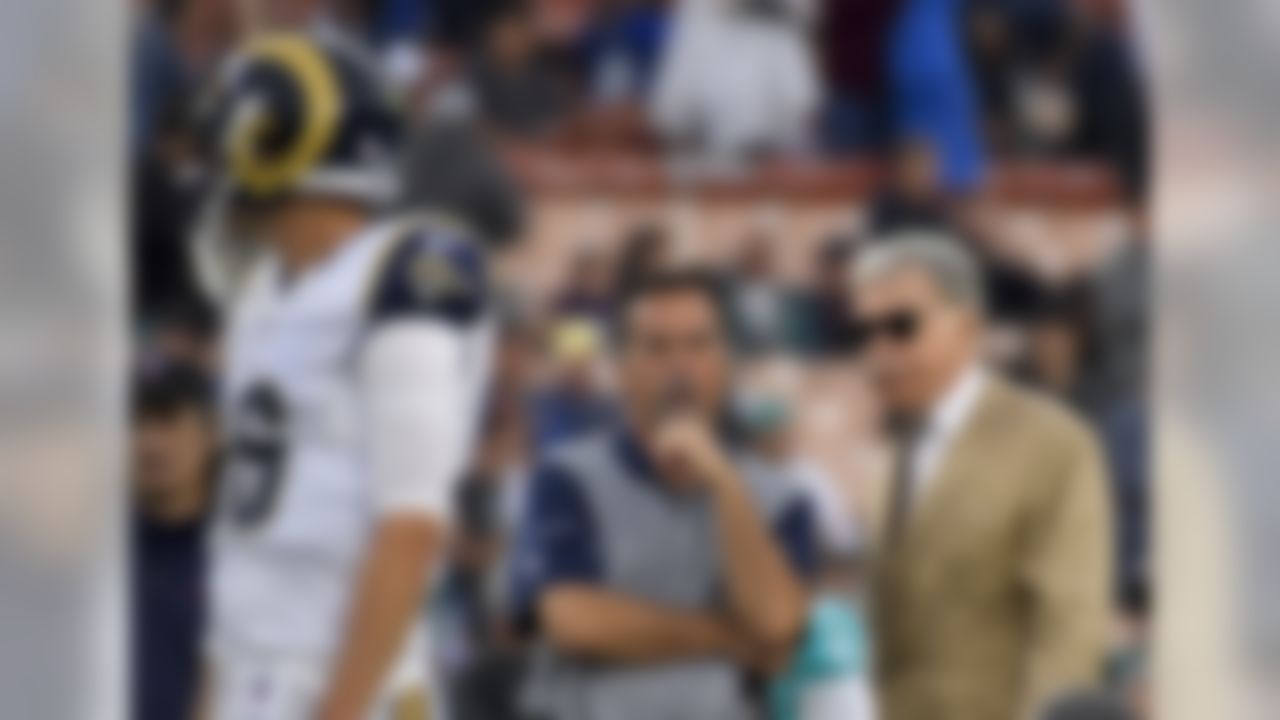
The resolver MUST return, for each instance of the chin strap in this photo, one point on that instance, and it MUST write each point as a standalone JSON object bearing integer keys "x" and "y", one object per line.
{"x": 221, "y": 258}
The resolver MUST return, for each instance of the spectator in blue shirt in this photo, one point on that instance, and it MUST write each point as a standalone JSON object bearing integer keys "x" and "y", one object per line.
{"x": 932, "y": 91}
{"x": 573, "y": 403}
{"x": 173, "y": 449}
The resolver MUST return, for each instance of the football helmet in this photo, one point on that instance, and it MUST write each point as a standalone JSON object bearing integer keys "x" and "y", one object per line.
{"x": 289, "y": 115}
{"x": 293, "y": 114}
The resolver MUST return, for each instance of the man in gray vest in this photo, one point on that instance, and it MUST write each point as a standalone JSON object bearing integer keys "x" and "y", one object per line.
{"x": 660, "y": 569}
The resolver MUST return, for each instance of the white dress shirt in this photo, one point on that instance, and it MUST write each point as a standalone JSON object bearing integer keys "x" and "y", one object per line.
{"x": 945, "y": 421}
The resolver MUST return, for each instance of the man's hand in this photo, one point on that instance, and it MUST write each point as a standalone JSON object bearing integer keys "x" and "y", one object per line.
{"x": 689, "y": 454}
{"x": 767, "y": 599}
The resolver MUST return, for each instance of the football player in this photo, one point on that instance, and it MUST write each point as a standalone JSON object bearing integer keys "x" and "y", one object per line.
{"x": 356, "y": 354}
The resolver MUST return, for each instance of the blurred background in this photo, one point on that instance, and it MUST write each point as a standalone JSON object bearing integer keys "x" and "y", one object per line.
{"x": 771, "y": 139}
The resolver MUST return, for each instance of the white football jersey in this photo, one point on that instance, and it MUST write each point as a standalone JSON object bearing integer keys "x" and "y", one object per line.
{"x": 297, "y": 489}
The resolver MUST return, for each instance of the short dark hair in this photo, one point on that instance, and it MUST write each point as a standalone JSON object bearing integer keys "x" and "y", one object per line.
{"x": 646, "y": 246}
{"x": 162, "y": 393}
{"x": 692, "y": 280}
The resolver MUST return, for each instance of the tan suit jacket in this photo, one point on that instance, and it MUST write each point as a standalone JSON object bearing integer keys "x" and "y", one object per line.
{"x": 996, "y": 596}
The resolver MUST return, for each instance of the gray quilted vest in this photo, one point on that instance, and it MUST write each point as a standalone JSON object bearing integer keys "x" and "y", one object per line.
{"x": 660, "y": 546}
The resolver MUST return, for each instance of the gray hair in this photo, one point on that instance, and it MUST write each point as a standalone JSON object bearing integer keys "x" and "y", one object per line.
{"x": 945, "y": 260}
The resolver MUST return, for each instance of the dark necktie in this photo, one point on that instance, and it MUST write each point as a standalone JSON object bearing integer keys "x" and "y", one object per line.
{"x": 906, "y": 437}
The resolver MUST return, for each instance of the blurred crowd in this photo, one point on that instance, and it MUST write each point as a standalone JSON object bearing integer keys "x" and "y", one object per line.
{"x": 937, "y": 95}
{"x": 712, "y": 86}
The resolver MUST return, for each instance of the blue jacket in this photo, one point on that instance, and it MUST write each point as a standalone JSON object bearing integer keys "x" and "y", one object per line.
{"x": 931, "y": 88}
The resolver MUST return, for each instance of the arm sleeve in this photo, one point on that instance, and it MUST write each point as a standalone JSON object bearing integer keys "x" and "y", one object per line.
{"x": 1065, "y": 568}
{"x": 797, "y": 534}
{"x": 557, "y": 542}
{"x": 419, "y": 413}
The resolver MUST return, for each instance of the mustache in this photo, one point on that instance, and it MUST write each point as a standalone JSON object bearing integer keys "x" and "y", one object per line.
{"x": 677, "y": 396}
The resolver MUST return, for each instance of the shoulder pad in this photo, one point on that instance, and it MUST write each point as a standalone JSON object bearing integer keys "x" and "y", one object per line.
{"x": 431, "y": 272}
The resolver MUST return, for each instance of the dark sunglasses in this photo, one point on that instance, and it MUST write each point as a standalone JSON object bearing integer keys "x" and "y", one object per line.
{"x": 899, "y": 326}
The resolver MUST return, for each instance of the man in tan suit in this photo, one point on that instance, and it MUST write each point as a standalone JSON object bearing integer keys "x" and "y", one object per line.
{"x": 992, "y": 535}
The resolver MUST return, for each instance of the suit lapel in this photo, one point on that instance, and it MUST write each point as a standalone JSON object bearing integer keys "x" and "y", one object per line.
{"x": 966, "y": 451}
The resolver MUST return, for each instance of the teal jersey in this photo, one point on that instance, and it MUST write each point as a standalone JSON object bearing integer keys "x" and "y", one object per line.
{"x": 834, "y": 648}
